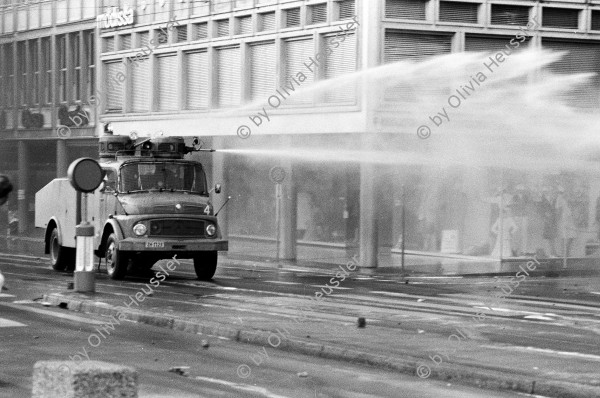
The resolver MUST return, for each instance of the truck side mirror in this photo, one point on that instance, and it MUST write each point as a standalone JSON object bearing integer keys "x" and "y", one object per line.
{"x": 218, "y": 188}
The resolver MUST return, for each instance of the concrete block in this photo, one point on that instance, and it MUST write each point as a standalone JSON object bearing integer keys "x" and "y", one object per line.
{"x": 83, "y": 379}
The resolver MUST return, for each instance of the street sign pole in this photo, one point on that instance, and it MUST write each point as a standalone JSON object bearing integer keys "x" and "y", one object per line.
{"x": 277, "y": 176}
{"x": 85, "y": 175}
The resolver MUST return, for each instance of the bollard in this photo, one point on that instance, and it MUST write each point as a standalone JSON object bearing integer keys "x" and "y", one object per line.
{"x": 84, "y": 277}
{"x": 83, "y": 379}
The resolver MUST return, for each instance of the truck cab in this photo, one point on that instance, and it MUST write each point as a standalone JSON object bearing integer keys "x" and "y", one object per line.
{"x": 152, "y": 205}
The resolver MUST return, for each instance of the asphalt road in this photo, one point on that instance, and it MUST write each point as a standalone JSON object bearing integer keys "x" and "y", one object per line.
{"x": 560, "y": 316}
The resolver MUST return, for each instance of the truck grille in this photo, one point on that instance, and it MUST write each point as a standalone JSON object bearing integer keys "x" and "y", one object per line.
{"x": 177, "y": 228}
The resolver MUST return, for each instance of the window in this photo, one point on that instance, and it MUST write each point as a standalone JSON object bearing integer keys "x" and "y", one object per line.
{"x": 109, "y": 44}
{"x": 341, "y": 62}
{"x": 346, "y": 9}
{"x": 244, "y": 25}
{"x": 510, "y": 15}
{"x": 125, "y": 42}
{"x": 167, "y": 83}
{"x": 228, "y": 76}
{"x": 451, "y": 11}
{"x": 75, "y": 66}
{"x": 47, "y": 70}
{"x": 197, "y": 80}
{"x": 596, "y": 20}
{"x": 140, "y": 84}
{"x": 263, "y": 71}
{"x": 266, "y": 21}
{"x": 292, "y": 17}
{"x": 23, "y": 75}
{"x": 200, "y": 31}
{"x": 90, "y": 56}
{"x": 223, "y": 28}
{"x": 143, "y": 39}
{"x": 405, "y": 9}
{"x": 162, "y": 36}
{"x": 35, "y": 70}
{"x": 115, "y": 81}
{"x": 181, "y": 33}
{"x": 61, "y": 49}
{"x": 297, "y": 52}
{"x": 565, "y": 18}
{"x": 317, "y": 14}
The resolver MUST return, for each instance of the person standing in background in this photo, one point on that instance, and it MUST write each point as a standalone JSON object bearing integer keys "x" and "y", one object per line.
{"x": 520, "y": 206}
{"x": 566, "y": 223}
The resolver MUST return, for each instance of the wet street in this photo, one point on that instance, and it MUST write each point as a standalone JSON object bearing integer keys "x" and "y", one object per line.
{"x": 543, "y": 325}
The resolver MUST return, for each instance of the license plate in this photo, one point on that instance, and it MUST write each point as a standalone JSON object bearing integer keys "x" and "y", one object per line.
{"x": 155, "y": 245}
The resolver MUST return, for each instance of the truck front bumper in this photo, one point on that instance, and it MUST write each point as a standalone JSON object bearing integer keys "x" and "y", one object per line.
{"x": 166, "y": 245}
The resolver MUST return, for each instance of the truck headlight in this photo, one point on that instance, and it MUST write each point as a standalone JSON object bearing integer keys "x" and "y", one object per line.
{"x": 140, "y": 229}
{"x": 211, "y": 230}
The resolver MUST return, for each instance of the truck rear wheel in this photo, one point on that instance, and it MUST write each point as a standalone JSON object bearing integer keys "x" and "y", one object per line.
{"x": 61, "y": 258}
{"x": 205, "y": 265}
{"x": 116, "y": 260}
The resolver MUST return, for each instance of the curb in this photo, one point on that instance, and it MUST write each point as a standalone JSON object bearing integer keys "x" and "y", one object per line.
{"x": 466, "y": 374}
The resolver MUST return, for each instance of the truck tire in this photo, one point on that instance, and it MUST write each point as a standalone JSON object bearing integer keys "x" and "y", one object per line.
{"x": 116, "y": 260}
{"x": 61, "y": 258}
{"x": 205, "y": 265}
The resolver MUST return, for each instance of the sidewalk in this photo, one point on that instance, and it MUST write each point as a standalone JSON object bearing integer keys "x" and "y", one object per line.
{"x": 337, "y": 337}
{"x": 328, "y": 257}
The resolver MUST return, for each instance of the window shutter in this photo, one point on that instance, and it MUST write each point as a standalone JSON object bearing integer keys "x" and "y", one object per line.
{"x": 140, "y": 81}
{"x": 581, "y": 58}
{"x": 318, "y": 13}
{"x": 401, "y": 46}
{"x": 451, "y": 11}
{"x": 115, "y": 90}
{"x": 267, "y": 21}
{"x": 405, "y": 9}
{"x": 491, "y": 43}
{"x": 406, "y": 46}
{"x": 565, "y": 18}
{"x": 244, "y": 25}
{"x": 263, "y": 72}
{"x": 181, "y": 33}
{"x": 292, "y": 17}
{"x": 229, "y": 85}
{"x": 223, "y": 28}
{"x": 595, "y": 20}
{"x": 347, "y": 9}
{"x": 510, "y": 15}
{"x": 125, "y": 42}
{"x": 167, "y": 83}
{"x": 109, "y": 44}
{"x": 298, "y": 52}
{"x": 340, "y": 62}
{"x": 197, "y": 80}
{"x": 144, "y": 39}
{"x": 201, "y": 31}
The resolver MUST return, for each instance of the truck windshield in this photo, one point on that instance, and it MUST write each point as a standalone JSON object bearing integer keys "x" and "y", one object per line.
{"x": 162, "y": 176}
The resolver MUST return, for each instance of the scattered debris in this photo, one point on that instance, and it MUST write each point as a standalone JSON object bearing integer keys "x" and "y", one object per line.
{"x": 420, "y": 300}
{"x": 64, "y": 305}
{"x": 362, "y": 322}
{"x": 46, "y": 303}
{"x": 36, "y": 337}
{"x": 70, "y": 285}
{"x": 180, "y": 370}
{"x": 420, "y": 331}
{"x": 205, "y": 344}
{"x": 303, "y": 374}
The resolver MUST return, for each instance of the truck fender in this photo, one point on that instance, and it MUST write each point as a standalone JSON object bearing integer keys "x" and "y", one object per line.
{"x": 111, "y": 226}
{"x": 51, "y": 224}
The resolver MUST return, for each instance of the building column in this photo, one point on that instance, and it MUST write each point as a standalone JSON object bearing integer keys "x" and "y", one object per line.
{"x": 23, "y": 188}
{"x": 62, "y": 159}
{"x": 368, "y": 215}
{"x": 219, "y": 177}
{"x": 289, "y": 214}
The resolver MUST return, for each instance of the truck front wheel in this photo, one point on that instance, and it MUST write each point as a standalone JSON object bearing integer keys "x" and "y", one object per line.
{"x": 61, "y": 258}
{"x": 205, "y": 265}
{"x": 116, "y": 260}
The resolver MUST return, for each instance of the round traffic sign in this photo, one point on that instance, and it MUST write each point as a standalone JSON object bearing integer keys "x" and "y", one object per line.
{"x": 277, "y": 174}
{"x": 85, "y": 175}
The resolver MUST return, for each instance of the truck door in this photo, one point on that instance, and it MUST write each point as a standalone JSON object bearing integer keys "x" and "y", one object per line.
{"x": 107, "y": 201}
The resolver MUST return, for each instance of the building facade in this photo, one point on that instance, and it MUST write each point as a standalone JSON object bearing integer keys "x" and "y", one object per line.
{"x": 294, "y": 76}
